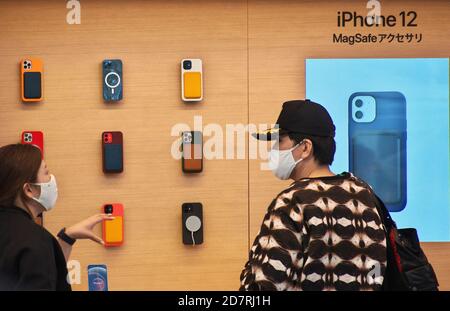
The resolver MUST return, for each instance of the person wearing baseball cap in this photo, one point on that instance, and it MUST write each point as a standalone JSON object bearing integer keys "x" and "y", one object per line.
{"x": 316, "y": 233}
{"x": 302, "y": 126}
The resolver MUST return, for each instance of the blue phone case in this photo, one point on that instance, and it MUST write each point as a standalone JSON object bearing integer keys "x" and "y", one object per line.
{"x": 377, "y": 144}
{"x": 98, "y": 278}
{"x": 113, "y": 158}
{"x": 112, "y": 80}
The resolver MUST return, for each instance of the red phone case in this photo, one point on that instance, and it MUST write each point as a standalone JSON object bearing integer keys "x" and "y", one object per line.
{"x": 35, "y": 138}
{"x": 117, "y": 212}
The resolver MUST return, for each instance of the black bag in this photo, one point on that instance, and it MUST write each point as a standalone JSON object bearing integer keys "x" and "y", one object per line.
{"x": 407, "y": 267}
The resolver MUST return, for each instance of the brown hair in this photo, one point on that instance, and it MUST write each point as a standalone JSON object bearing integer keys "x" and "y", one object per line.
{"x": 19, "y": 164}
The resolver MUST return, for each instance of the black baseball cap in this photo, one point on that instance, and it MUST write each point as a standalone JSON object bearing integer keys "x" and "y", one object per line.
{"x": 301, "y": 117}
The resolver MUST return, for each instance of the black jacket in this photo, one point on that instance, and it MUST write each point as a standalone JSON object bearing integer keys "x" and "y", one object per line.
{"x": 30, "y": 257}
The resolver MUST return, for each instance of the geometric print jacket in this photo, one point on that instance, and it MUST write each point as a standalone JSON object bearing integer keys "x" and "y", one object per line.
{"x": 320, "y": 234}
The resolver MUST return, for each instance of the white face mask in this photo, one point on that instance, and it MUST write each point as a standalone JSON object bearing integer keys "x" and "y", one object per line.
{"x": 49, "y": 194}
{"x": 282, "y": 162}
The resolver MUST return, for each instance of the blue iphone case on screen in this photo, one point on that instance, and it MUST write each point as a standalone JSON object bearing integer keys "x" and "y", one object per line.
{"x": 98, "y": 278}
{"x": 377, "y": 144}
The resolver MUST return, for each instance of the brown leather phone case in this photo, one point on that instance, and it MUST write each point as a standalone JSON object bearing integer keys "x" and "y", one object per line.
{"x": 192, "y": 152}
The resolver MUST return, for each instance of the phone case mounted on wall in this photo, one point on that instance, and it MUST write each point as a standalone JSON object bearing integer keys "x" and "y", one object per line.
{"x": 377, "y": 144}
{"x": 31, "y": 79}
{"x": 97, "y": 278}
{"x": 194, "y": 212}
{"x": 112, "y": 148}
{"x": 112, "y": 80}
{"x": 192, "y": 152}
{"x": 113, "y": 230}
{"x": 35, "y": 138}
{"x": 191, "y": 80}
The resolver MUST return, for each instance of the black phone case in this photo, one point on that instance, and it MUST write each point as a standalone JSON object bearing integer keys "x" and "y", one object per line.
{"x": 112, "y": 80}
{"x": 192, "y": 209}
{"x": 113, "y": 153}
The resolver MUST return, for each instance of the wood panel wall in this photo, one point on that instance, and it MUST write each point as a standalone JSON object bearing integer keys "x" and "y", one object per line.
{"x": 253, "y": 54}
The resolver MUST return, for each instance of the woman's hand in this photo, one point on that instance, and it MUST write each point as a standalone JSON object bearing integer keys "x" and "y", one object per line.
{"x": 84, "y": 229}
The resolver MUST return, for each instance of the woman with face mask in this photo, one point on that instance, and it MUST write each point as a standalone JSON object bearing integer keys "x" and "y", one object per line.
{"x": 30, "y": 257}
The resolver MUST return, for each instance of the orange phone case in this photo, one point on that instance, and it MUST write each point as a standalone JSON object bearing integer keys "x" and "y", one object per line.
{"x": 31, "y": 64}
{"x": 192, "y": 85}
{"x": 113, "y": 230}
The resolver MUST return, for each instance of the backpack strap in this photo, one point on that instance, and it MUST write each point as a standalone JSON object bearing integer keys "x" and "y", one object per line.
{"x": 391, "y": 232}
{"x": 384, "y": 213}
{"x": 385, "y": 216}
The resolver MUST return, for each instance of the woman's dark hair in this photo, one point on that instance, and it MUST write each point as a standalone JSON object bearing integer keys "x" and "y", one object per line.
{"x": 324, "y": 148}
{"x": 19, "y": 164}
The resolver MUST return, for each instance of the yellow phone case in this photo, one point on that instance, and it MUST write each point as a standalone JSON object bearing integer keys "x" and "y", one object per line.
{"x": 113, "y": 230}
{"x": 192, "y": 85}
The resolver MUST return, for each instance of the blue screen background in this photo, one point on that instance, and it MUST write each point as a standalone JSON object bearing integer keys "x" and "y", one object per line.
{"x": 425, "y": 84}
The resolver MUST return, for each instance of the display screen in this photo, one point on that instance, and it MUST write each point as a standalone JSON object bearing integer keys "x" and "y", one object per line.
{"x": 392, "y": 130}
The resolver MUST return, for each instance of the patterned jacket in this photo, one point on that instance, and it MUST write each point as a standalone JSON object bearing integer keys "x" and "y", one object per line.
{"x": 319, "y": 234}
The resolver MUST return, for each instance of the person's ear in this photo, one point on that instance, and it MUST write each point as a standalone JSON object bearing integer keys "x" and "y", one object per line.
{"x": 28, "y": 190}
{"x": 306, "y": 149}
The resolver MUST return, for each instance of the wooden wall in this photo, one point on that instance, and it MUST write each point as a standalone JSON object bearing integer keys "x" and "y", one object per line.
{"x": 253, "y": 54}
